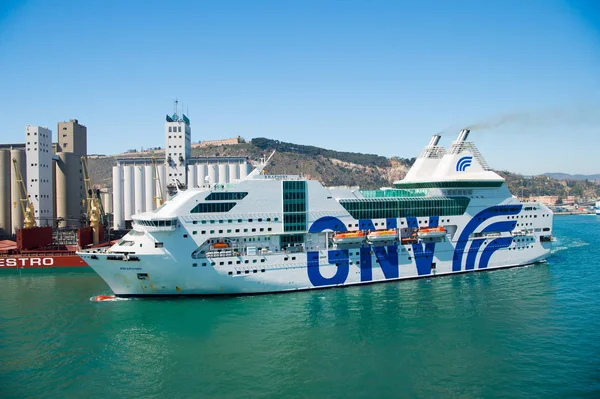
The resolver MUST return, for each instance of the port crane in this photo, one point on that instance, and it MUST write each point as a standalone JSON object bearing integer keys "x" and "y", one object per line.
{"x": 26, "y": 205}
{"x": 158, "y": 200}
{"x": 95, "y": 211}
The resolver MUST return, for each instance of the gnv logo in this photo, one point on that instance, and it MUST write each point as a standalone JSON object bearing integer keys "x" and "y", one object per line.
{"x": 386, "y": 257}
{"x": 463, "y": 163}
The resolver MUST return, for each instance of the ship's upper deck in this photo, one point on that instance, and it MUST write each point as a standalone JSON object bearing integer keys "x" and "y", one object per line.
{"x": 439, "y": 183}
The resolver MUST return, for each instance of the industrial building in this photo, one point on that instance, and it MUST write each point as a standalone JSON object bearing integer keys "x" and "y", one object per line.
{"x": 178, "y": 149}
{"x": 11, "y": 215}
{"x": 38, "y": 155}
{"x": 71, "y": 146}
{"x": 52, "y": 176}
{"x": 141, "y": 184}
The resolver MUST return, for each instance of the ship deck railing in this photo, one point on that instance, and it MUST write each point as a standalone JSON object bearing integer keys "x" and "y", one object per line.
{"x": 48, "y": 253}
{"x": 244, "y": 252}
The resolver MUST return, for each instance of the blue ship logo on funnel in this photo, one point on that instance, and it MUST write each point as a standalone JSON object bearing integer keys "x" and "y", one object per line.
{"x": 463, "y": 163}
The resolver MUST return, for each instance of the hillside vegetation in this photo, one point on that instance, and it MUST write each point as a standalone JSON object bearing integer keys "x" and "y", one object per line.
{"x": 544, "y": 185}
{"x": 334, "y": 168}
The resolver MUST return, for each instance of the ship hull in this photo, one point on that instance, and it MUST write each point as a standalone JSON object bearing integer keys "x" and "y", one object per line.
{"x": 153, "y": 275}
{"x": 355, "y": 284}
{"x": 41, "y": 262}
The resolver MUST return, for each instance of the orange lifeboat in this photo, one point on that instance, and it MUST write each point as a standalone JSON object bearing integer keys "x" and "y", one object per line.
{"x": 220, "y": 245}
{"x": 349, "y": 237}
{"x": 413, "y": 239}
{"x": 102, "y": 298}
{"x": 382, "y": 235}
{"x": 432, "y": 232}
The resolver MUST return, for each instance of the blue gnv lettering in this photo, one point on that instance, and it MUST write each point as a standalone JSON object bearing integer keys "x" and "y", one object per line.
{"x": 335, "y": 257}
{"x": 387, "y": 257}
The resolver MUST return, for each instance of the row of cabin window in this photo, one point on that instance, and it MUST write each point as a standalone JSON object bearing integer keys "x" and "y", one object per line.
{"x": 238, "y": 262}
{"x": 401, "y": 223}
{"x": 251, "y": 239}
{"x": 232, "y": 221}
{"x": 228, "y": 231}
{"x": 247, "y": 271}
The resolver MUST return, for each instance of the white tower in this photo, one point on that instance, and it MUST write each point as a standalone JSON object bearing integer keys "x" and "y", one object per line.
{"x": 39, "y": 172}
{"x": 178, "y": 138}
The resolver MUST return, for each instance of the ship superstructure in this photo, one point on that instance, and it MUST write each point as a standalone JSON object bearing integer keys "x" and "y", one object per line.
{"x": 451, "y": 214}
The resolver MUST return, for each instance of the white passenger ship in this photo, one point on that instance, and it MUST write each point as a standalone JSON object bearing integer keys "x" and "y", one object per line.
{"x": 451, "y": 214}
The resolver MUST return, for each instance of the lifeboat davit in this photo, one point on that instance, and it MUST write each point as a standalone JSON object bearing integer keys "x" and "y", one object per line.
{"x": 382, "y": 235}
{"x": 432, "y": 232}
{"x": 349, "y": 238}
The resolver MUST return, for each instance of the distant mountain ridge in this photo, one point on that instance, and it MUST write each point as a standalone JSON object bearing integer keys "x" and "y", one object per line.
{"x": 337, "y": 168}
{"x": 566, "y": 176}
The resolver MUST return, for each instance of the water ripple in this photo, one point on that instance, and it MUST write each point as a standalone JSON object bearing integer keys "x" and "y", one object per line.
{"x": 522, "y": 332}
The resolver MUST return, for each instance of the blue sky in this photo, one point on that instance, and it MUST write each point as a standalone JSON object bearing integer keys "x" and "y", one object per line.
{"x": 356, "y": 75}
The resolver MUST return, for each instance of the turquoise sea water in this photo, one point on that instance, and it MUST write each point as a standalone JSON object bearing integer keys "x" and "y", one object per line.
{"x": 524, "y": 332}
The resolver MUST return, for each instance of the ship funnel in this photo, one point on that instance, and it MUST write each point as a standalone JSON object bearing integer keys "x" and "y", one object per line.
{"x": 434, "y": 140}
{"x": 462, "y": 136}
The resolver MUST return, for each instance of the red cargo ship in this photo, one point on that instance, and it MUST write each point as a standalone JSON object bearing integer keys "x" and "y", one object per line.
{"x": 34, "y": 249}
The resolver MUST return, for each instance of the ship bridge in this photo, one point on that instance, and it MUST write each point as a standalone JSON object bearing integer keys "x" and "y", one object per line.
{"x": 157, "y": 224}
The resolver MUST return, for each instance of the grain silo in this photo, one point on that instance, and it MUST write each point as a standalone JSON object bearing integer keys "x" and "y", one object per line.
{"x": 15, "y": 191}
{"x": 68, "y": 194}
{"x": 234, "y": 171}
{"x": 223, "y": 175}
{"x": 138, "y": 176}
{"x": 243, "y": 170}
{"x": 5, "y": 165}
{"x": 201, "y": 174}
{"x": 128, "y": 193}
{"x": 191, "y": 176}
{"x": 213, "y": 173}
{"x": 117, "y": 186}
{"x": 106, "y": 200}
{"x": 149, "y": 188}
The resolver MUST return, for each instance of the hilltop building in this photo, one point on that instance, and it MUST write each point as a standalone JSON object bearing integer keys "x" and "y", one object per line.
{"x": 231, "y": 141}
